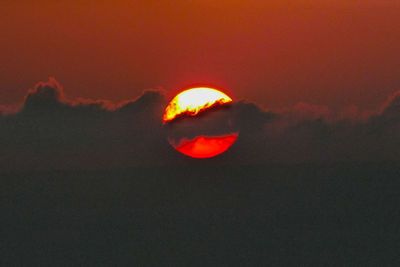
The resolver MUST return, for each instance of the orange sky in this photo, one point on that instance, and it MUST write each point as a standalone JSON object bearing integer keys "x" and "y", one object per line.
{"x": 277, "y": 54}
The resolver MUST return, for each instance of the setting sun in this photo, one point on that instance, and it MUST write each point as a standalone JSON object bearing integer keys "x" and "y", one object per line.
{"x": 190, "y": 103}
{"x": 193, "y": 101}
{"x": 205, "y": 146}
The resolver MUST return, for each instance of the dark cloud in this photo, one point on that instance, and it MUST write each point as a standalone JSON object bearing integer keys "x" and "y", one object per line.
{"x": 316, "y": 133}
{"x": 51, "y": 131}
{"x": 242, "y": 117}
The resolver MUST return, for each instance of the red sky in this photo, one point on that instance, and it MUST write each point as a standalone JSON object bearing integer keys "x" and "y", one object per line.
{"x": 277, "y": 54}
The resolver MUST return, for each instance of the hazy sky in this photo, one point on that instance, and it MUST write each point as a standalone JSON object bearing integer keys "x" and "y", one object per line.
{"x": 276, "y": 54}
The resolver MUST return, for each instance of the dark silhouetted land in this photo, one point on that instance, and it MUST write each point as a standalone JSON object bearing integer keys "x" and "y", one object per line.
{"x": 298, "y": 215}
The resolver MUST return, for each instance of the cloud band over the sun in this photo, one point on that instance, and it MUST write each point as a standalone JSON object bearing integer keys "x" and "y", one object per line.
{"x": 50, "y": 131}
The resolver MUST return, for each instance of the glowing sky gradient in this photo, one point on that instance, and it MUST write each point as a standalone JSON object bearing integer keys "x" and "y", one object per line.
{"x": 327, "y": 52}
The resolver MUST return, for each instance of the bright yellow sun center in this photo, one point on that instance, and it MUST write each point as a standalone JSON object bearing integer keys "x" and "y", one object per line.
{"x": 193, "y": 101}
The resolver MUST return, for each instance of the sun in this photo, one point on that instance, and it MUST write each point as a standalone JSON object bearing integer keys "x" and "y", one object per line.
{"x": 204, "y": 146}
{"x": 190, "y": 103}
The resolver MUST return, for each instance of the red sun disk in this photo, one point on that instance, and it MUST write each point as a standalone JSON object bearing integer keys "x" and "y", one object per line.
{"x": 205, "y": 146}
{"x": 192, "y": 102}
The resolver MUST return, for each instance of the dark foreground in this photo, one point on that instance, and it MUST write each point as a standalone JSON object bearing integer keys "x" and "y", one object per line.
{"x": 303, "y": 215}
